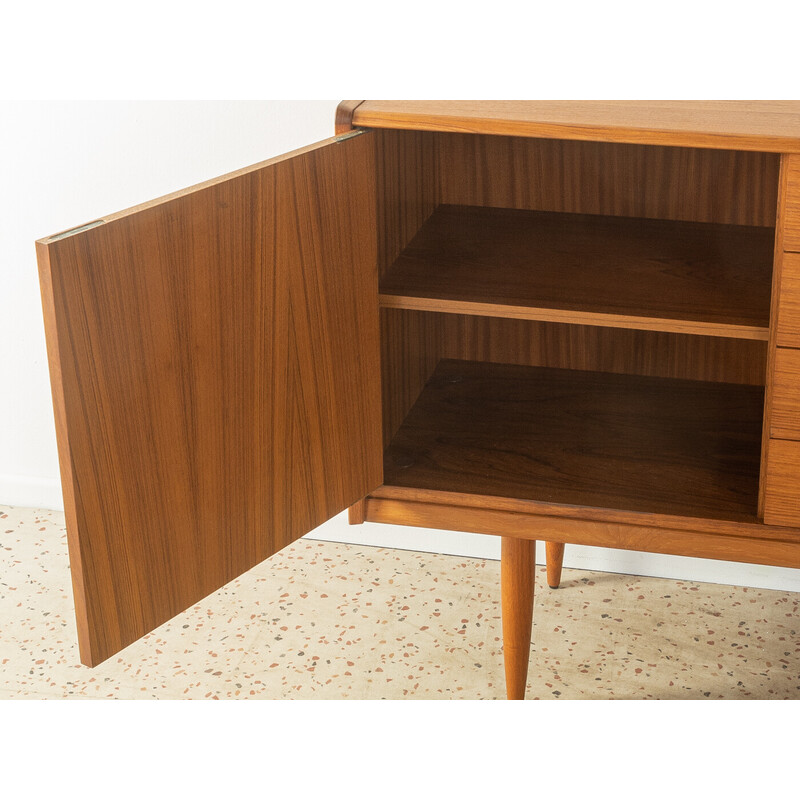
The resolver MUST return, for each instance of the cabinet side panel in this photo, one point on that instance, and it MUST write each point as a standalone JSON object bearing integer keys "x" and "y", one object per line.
{"x": 410, "y": 350}
{"x": 694, "y": 185}
{"x": 217, "y": 367}
{"x": 407, "y": 192}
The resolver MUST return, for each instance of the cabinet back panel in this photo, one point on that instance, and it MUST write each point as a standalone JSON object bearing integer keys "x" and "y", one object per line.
{"x": 413, "y": 342}
{"x": 417, "y": 171}
{"x": 410, "y": 351}
{"x": 547, "y": 344}
{"x": 678, "y": 183}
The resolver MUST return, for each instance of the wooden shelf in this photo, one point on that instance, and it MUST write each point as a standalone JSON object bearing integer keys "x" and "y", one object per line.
{"x": 586, "y": 439}
{"x": 679, "y": 277}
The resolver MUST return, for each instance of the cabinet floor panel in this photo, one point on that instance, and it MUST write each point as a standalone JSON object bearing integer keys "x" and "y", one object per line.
{"x": 684, "y": 277}
{"x": 663, "y": 446}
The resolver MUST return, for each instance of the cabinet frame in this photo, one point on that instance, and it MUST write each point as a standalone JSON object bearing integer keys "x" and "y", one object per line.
{"x": 341, "y": 212}
{"x": 749, "y": 542}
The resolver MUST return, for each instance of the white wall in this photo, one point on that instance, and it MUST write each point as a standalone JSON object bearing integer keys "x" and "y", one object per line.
{"x": 63, "y": 164}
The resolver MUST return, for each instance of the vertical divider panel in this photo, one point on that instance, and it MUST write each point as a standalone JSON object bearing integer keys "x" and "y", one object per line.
{"x": 773, "y": 330}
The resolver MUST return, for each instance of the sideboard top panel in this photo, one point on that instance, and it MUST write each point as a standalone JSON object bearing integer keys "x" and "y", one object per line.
{"x": 764, "y": 125}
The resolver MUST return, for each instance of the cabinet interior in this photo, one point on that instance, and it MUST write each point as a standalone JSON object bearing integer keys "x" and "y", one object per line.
{"x": 558, "y": 319}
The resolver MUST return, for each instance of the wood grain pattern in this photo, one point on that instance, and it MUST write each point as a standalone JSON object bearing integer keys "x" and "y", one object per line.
{"x": 656, "y": 354}
{"x": 343, "y": 124}
{"x": 55, "y": 341}
{"x": 792, "y": 204}
{"x": 751, "y": 527}
{"x": 407, "y": 190}
{"x": 782, "y": 492}
{"x": 517, "y": 582}
{"x": 410, "y": 351}
{"x": 746, "y": 546}
{"x": 555, "y": 560}
{"x": 417, "y": 171}
{"x": 587, "y": 269}
{"x": 583, "y": 439}
{"x": 214, "y": 359}
{"x": 788, "y": 321}
{"x": 769, "y": 126}
{"x": 670, "y": 183}
{"x": 479, "y": 308}
{"x": 779, "y": 286}
{"x": 785, "y": 412}
{"x": 413, "y": 343}
{"x": 406, "y": 197}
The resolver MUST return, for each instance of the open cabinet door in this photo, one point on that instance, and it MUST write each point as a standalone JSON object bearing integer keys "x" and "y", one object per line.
{"x": 214, "y": 358}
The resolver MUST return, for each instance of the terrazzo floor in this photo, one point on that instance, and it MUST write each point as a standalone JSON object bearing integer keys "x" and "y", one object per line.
{"x": 322, "y": 620}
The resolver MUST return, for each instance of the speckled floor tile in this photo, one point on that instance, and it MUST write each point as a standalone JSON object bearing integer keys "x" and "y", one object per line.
{"x": 321, "y": 620}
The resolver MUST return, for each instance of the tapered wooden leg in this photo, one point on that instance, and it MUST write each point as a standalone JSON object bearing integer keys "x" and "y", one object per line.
{"x": 517, "y": 571}
{"x": 357, "y": 512}
{"x": 555, "y": 558}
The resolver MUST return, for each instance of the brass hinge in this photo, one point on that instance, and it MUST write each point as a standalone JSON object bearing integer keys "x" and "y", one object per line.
{"x": 350, "y": 134}
{"x": 80, "y": 229}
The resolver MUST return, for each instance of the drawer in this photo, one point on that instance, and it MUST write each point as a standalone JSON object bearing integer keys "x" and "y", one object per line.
{"x": 789, "y": 302}
{"x": 782, "y": 489}
{"x": 791, "y": 208}
{"x": 785, "y": 412}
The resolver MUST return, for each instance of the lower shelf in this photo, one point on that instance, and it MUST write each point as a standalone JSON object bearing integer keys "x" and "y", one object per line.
{"x": 585, "y": 439}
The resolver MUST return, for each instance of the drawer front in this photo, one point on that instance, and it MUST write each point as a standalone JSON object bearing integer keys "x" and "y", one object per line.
{"x": 785, "y": 416}
{"x": 782, "y": 491}
{"x": 791, "y": 208}
{"x": 789, "y": 302}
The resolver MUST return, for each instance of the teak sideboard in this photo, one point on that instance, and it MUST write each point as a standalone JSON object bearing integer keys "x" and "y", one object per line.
{"x": 577, "y": 322}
